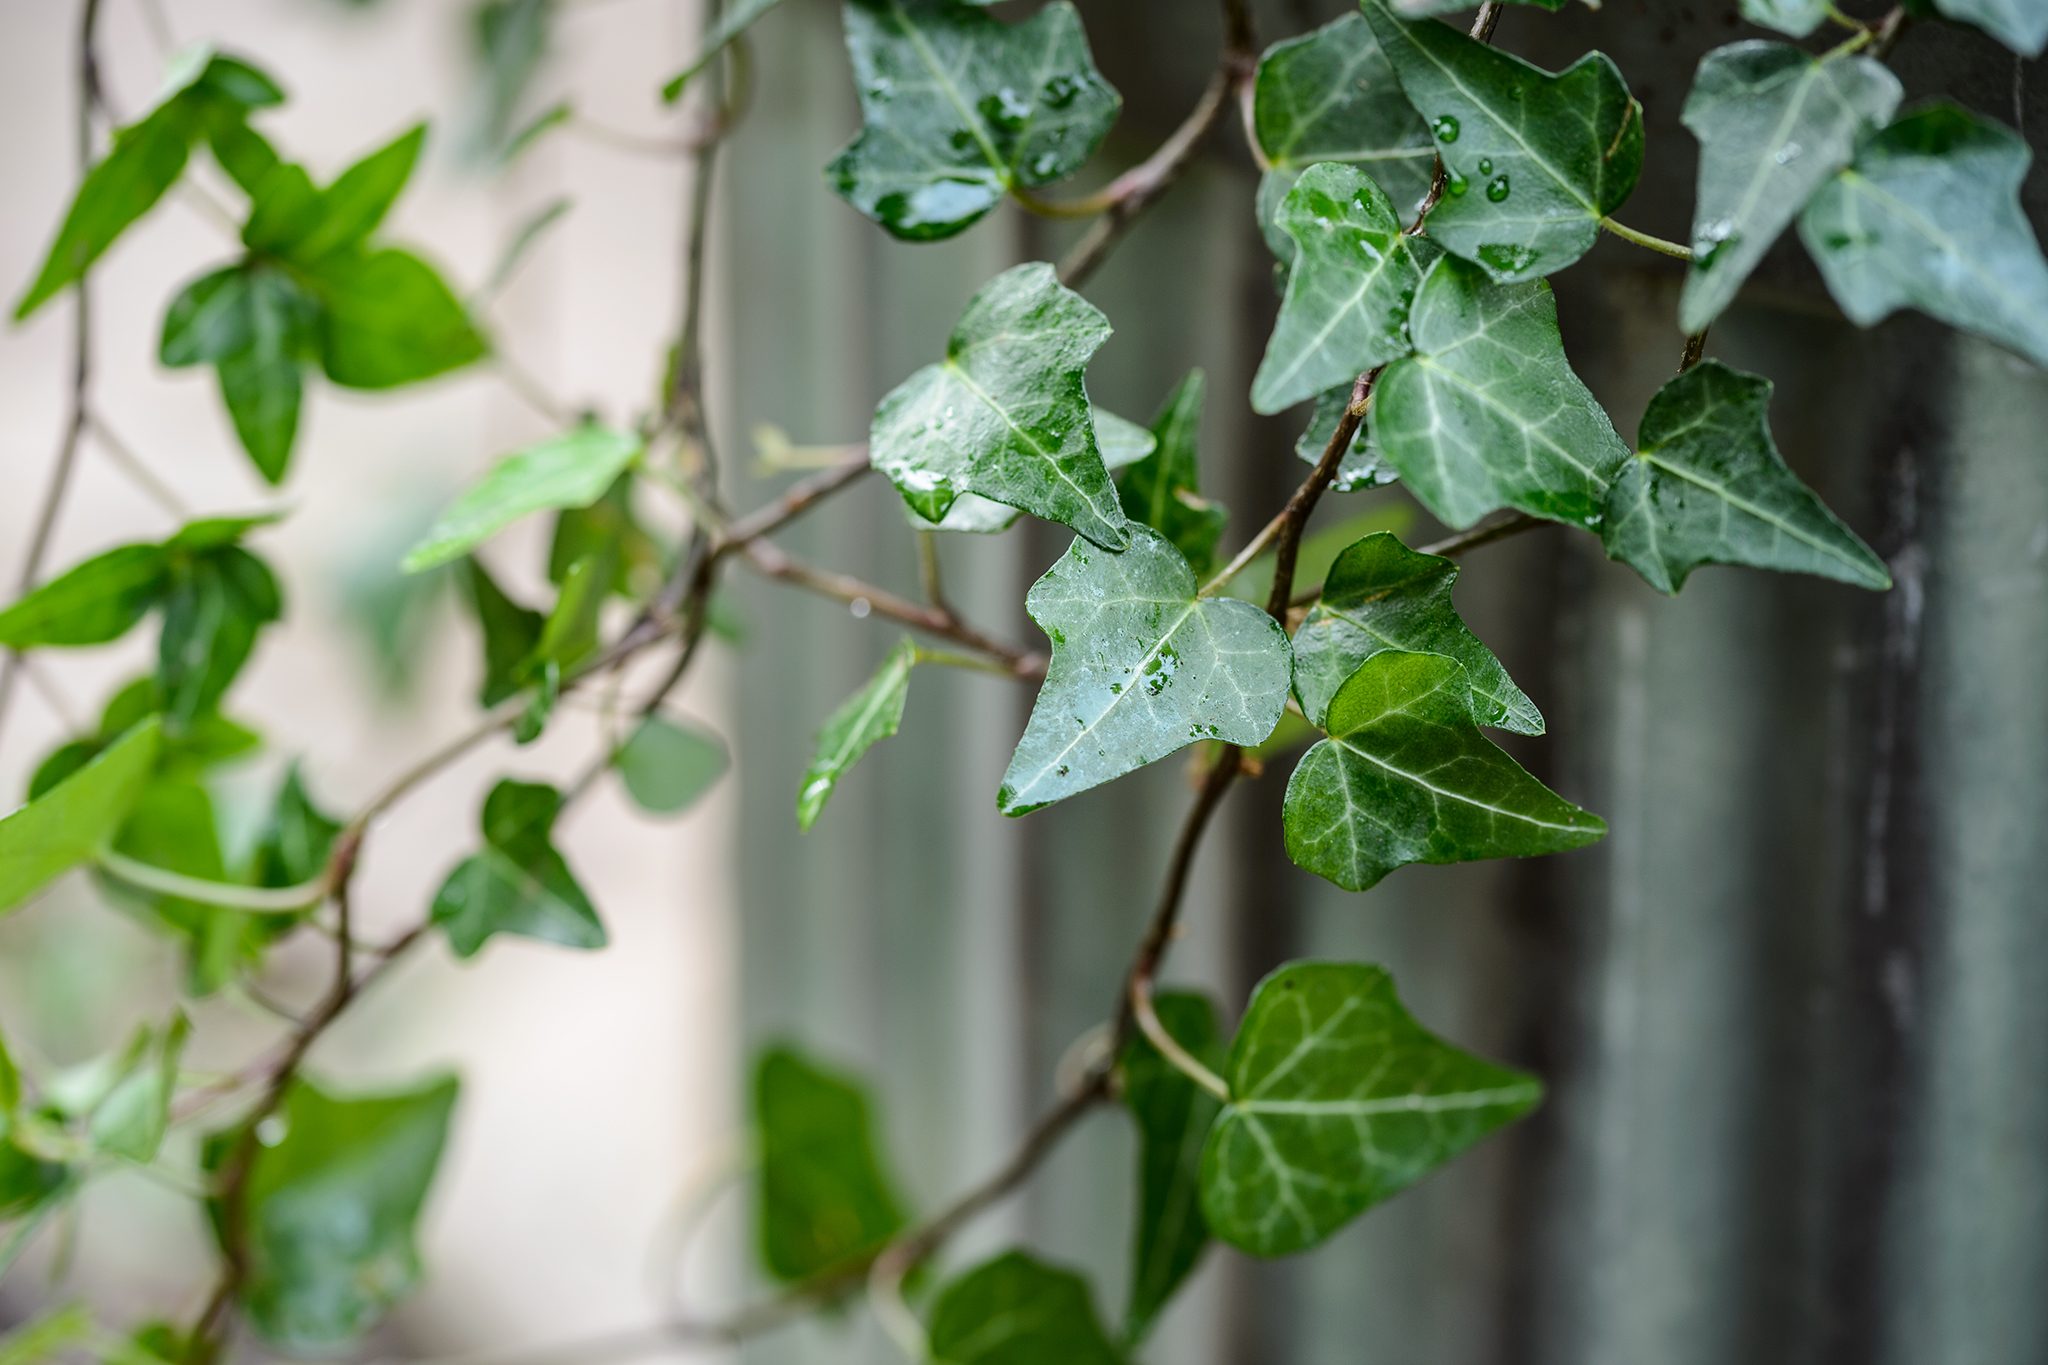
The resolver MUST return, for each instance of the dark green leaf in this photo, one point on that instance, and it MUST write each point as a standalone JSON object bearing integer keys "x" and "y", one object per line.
{"x": 518, "y": 884}
{"x": 1362, "y": 465}
{"x": 1330, "y": 95}
{"x": 1796, "y": 17}
{"x": 1017, "y": 1310}
{"x": 1122, "y": 443}
{"x": 2021, "y": 25}
{"x": 511, "y": 633}
{"x": 256, "y": 325}
{"x": 869, "y": 715}
{"x": 147, "y": 158}
{"x": 1164, "y": 491}
{"x": 90, "y": 603}
{"x": 353, "y": 206}
{"x": 10, "y": 1083}
{"x": 72, "y": 821}
{"x": 540, "y": 703}
{"x": 667, "y": 766}
{"x": 297, "y": 837}
{"x": 824, "y": 1198}
{"x": 216, "y": 605}
{"x": 389, "y": 320}
{"x": 571, "y": 470}
{"x": 1173, "y": 1115}
{"x": 608, "y": 522}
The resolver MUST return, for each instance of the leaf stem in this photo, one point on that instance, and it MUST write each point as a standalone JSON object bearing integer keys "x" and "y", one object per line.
{"x": 1169, "y": 1047}
{"x": 1646, "y": 240}
{"x": 255, "y": 900}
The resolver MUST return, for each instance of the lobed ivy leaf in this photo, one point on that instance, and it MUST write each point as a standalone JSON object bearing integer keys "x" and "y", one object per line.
{"x": 1487, "y": 413}
{"x": 571, "y": 470}
{"x": 517, "y": 884}
{"x": 215, "y": 604}
{"x": 1534, "y": 161}
{"x": 824, "y": 1199}
{"x": 1355, "y": 274}
{"x": 1017, "y": 1310}
{"x": 1173, "y": 1115}
{"x": 1929, "y": 217}
{"x": 1163, "y": 490}
{"x": 389, "y": 319}
{"x": 66, "y": 825}
{"x": 666, "y": 766}
{"x": 959, "y": 108}
{"x": 1406, "y": 777}
{"x": 1362, "y": 465}
{"x": 868, "y": 716}
{"x": 1121, "y": 441}
{"x": 1709, "y": 487}
{"x": 1141, "y": 666}
{"x": 1338, "y": 1100}
{"x": 1382, "y": 595}
{"x": 202, "y": 744}
{"x": 1774, "y": 124}
{"x": 1006, "y": 415}
{"x": 2021, "y": 25}
{"x": 1796, "y": 17}
{"x": 511, "y": 632}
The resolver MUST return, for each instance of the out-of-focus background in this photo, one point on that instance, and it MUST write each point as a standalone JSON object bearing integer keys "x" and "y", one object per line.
{"x": 1792, "y": 1011}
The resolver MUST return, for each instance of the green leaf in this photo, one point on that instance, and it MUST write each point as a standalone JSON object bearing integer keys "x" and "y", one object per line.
{"x": 73, "y": 820}
{"x": 1017, "y": 1310}
{"x": 1362, "y": 465}
{"x": 298, "y": 837}
{"x": 570, "y": 470}
{"x": 869, "y": 715}
{"x": 1164, "y": 491}
{"x": 389, "y": 319}
{"x": 666, "y": 767}
{"x": 1488, "y": 413}
{"x": 1929, "y": 217}
{"x": 331, "y": 1207}
{"x": 511, "y": 41}
{"x": 1774, "y": 124}
{"x": 570, "y": 634}
{"x": 1406, "y": 777}
{"x": 511, "y": 634}
{"x": 131, "y": 1121}
{"x": 1338, "y": 1100}
{"x": 608, "y": 522}
{"x": 1141, "y": 666}
{"x": 351, "y": 208}
{"x": 173, "y": 825}
{"x": 518, "y": 884}
{"x": 10, "y": 1083}
{"x": 1534, "y": 160}
{"x": 1382, "y": 595}
{"x": 1122, "y": 443}
{"x": 146, "y": 159}
{"x": 824, "y": 1199}
{"x": 735, "y": 21}
{"x": 2021, "y": 25}
{"x": 1796, "y": 17}
{"x": 50, "y": 1337}
{"x": 1173, "y": 1115}
{"x": 1355, "y": 274}
{"x": 216, "y": 605}
{"x": 1709, "y": 487}
{"x": 1006, "y": 414}
{"x": 1331, "y": 95}
{"x": 260, "y": 384}
{"x": 958, "y": 108}
{"x": 91, "y": 603}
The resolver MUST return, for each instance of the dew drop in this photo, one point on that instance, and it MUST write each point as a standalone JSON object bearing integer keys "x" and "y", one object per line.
{"x": 860, "y": 607}
{"x": 1497, "y": 188}
{"x": 1445, "y": 128}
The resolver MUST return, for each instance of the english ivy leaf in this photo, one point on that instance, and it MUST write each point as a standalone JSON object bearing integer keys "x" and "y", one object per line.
{"x": 511, "y": 634}
{"x": 1709, "y": 487}
{"x": 736, "y": 20}
{"x": 1173, "y": 1115}
{"x": 1382, "y": 595}
{"x": 73, "y": 820}
{"x": 389, "y": 319}
{"x": 1163, "y": 490}
{"x": 298, "y": 837}
{"x": 958, "y": 108}
{"x": 1534, "y": 161}
{"x": 350, "y": 209}
{"x": 260, "y": 383}
{"x": 1929, "y": 217}
{"x": 518, "y": 884}
{"x": 1338, "y": 1100}
{"x": 1487, "y": 413}
{"x": 666, "y": 766}
{"x": 91, "y": 603}
{"x": 570, "y": 634}
{"x": 1141, "y": 666}
{"x": 1796, "y": 17}
{"x": 570, "y": 470}
{"x": 1121, "y": 441}
{"x": 1355, "y": 274}
{"x": 1406, "y": 777}
{"x": 214, "y": 608}
{"x": 1006, "y": 414}
{"x": 205, "y": 742}
{"x": 1017, "y": 1310}
{"x": 331, "y": 1207}
{"x": 610, "y": 521}
{"x": 824, "y": 1199}
{"x": 869, "y": 715}
{"x": 2021, "y": 25}
{"x": 173, "y": 825}
{"x": 1362, "y": 466}
{"x": 1773, "y": 123}
{"x": 131, "y": 1121}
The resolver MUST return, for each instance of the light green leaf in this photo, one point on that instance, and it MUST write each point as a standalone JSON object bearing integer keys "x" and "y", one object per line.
{"x": 73, "y": 820}
{"x": 1017, "y": 1310}
{"x": 1796, "y": 17}
{"x": 1406, "y": 777}
{"x": 1362, "y": 466}
{"x": 570, "y": 470}
{"x": 1331, "y": 95}
{"x": 389, "y": 319}
{"x": 1355, "y": 274}
{"x": 173, "y": 825}
{"x": 869, "y": 715}
{"x": 666, "y": 766}
{"x": 2021, "y": 25}
{"x": 570, "y": 635}
{"x": 1173, "y": 1115}
{"x": 1164, "y": 491}
{"x": 331, "y": 1207}
{"x": 1006, "y": 414}
{"x": 53, "y": 1336}
{"x": 518, "y": 884}
{"x": 824, "y": 1199}
{"x": 1382, "y": 595}
{"x": 1929, "y": 217}
{"x": 89, "y": 603}
{"x": 1121, "y": 441}
{"x": 1338, "y": 1100}
{"x": 1773, "y": 123}
{"x": 216, "y": 605}
{"x": 131, "y": 1121}
{"x": 1141, "y": 667}
{"x": 958, "y": 108}
{"x": 738, "y": 17}
{"x": 1487, "y": 413}
{"x": 1709, "y": 487}
{"x": 1534, "y": 160}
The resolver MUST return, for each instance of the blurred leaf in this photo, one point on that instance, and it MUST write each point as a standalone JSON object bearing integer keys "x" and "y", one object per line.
{"x": 570, "y": 634}
{"x": 297, "y": 838}
{"x": 49, "y": 1337}
{"x": 511, "y": 632}
{"x": 1164, "y": 489}
{"x": 540, "y": 705}
{"x": 390, "y": 320}
{"x": 824, "y": 1199}
{"x": 511, "y": 40}
{"x": 217, "y": 604}
{"x": 205, "y": 742}
{"x": 667, "y": 766}
{"x": 73, "y": 820}
{"x": 738, "y": 17}
{"x": 868, "y": 716}
{"x": 518, "y": 884}
{"x": 353, "y": 206}
{"x": 2021, "y": 25}
{"x": 610, "y": 523}
{"x": 1017, "y": 1310}
{"x": 174, "y": 826}
{"x": 90, "y": 603}
{"x": 1173, "y": 1115}
{"x": 522, "y": 242}
{"x": 571, "y": 470}
{"x": 1319, "y": 550}
{"x": 131, "y": 1121}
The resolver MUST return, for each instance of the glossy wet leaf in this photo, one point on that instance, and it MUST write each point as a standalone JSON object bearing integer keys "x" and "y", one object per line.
{"x": 390, "y": 319}
{"x": 1796, "y": 17}
{"x": 98, "y": 600}
{"x": 1534, "y": 160}
{"x": 1354, "y": 277}
{"x": 2021, "y": 25}
{"x": 517, "y": 884}
{"x": 958, "y": 108}
{"x": 1362, "y": 465}
{"x": 1331, "y": 95}
{"x": 1382, "y": 595}
{"x": 1173, "y": 1115}
{"x": 666, "y": 766}
{"x": 571, "y": 470}
{"x": 824, "y": 1198}
{"x": 1164, "y": 490}
{"x": 1929, "y": 217}
{"x": 1406, "y": 777}
{"x": 331, "y": 1207}
{"x": 1487, "y": 413}
{"x": 1709, "y": 487}
{"x": 1339, "y": 1099}
{"x": 1141, "y": 667}
{"x": 1121, "y": 441}
{"x": 868, "y": 716}
{"x": 1018, "y": 1310}
{"x": 73, "y": 820}
{"x": 1774, "y": 124}
{"x": 1006, "y": 415}
{"x": 215, "y": 606}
